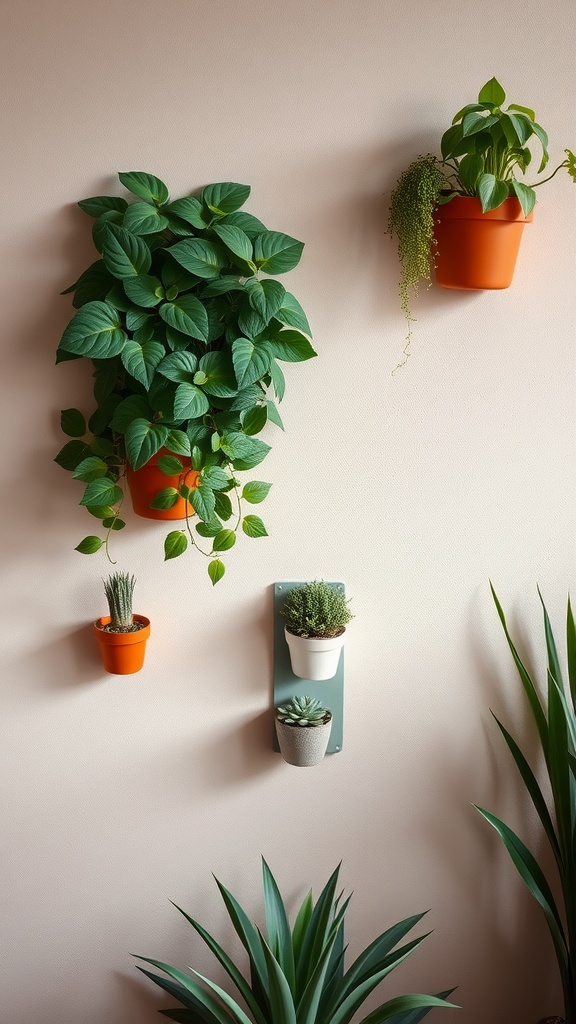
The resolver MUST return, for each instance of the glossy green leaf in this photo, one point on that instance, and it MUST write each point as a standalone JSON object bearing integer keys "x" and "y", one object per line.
{"x": 209, "y": 529}
{"x": 189, "y": 210}
{"x": 72, "y": 423}
{"x": 273, "y": 414}
{"x": 140, "y": 361}
{"x": 89, "y": 546}
{"x": 224, "y": 540}
{"x": 102, "y": 491}
{"x": 216, "y": 570}
{"x": 97, "y": 205}
{"x": 225, "y": 197}
{"x": 223, "y": 285}
{"x": 276, "y": 253}
{"x": 170, "y": 465}
{"x": 72, "y": 454}
{"x": 124, "y": 254}
{"x": 403, "y": 1005}
{"x": 189, "y": 403}
{"x": 90, "y": 469}
{"x": 254, "y": 420}
{"x": 101, "y": 225}
{"x": 245, "y": 452}
{"x": 492, "y": 93}
{"x": 202, "y": 258}
{"x": 222, "y": 506}
{"x": 93, "y": 285}
{"x": 146, "y": 186}
{"x": 95, "y": 331}
{"x": 132, "y": 408}
{"x": 234, "y": 239}
{"x": 291, "y": 346}
{"x": 202, "y": 500}
{"x": 292, "y": 314}
{"x": 526, "y": 195}
{"x": 278, "y": 379}
{"x": 254, "y": 527}
{"x": 215, "y": 477}
{"x": 144, "y": 290}
{"x": 265, "y": 297}
{"x": 277, "y": 926}
{"x": 101, "y": 511}
{"x": 255, "y": 491}
{"x": 143, "y": 439}
{"x": 249, "y": 224}
{"x": 144, "y": 219}
{"x": 175, "y": 544}
{"x": 491, "y": 192}
{"x": 165, "y": 499}
{"x": 220, "y": 380}
{"x": 179, "y": 367}
{"x": 178, "y": 442}
{"x": 251, "y": 361}
{"x": 114, "y": 523}
{"x": 187, "y": 315}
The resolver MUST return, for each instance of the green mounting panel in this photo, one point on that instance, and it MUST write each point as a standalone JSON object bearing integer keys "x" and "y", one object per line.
{"x": 286, "y": 684}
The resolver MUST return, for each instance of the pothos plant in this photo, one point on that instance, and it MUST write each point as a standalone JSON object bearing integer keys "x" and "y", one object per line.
{"x": 185, "y": 326}
{"x": 483, "y": 152}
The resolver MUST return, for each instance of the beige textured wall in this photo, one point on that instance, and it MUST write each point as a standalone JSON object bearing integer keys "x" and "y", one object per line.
{"x": 119, "y": 794}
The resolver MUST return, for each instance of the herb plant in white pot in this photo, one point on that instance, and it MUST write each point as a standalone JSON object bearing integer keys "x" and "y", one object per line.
{"x": 316, "y": 615}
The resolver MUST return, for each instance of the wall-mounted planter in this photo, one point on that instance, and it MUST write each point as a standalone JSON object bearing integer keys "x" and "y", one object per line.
{"x": 122, "y": 653}
{"x": 475, "y": 250}
{"x": 304, "y": 746}
{"x": 145, "y": 483}
{"x": 314, "y": 657}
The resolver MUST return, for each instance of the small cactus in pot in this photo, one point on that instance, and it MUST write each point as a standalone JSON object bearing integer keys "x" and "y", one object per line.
{"x": 121, "y": 635}
{"x": 303, "y": 728}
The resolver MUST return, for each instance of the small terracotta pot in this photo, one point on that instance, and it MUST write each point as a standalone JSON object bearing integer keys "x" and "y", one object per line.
{"x": 145, "y": 483}
{"x": 122, "y": 653}
{"x": 303, "y": 746}
{"x": 314, "y": 657}
{"x": 476, "y": 250}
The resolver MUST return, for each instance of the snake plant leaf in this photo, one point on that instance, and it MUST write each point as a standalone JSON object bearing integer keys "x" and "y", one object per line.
{"x": 534, "y": 878}
{"x": 551, "y": 649}
{"x": 414, "y": 1016}
{"x": 357, "y": 993}
{"x": 276, "y": 253}
{"x": 125, "y": 254}
{"x": 279, "y": 932}
{"x": 215, "y": 1012}
{"x": 143, "y": 440}
{"x": 186, "y": 314}
{"x": 246, "y": 932}
{"x": 530, "y": 690}
{"x": 308, "y": 1005}
{"x": 225, "y": 197}
{"x": 533, "y": 788}
{"x": 404, "y": 1005}
{"x": 179, "y": 992}
{"x": 560, "y": 774}
{"x": 279, "y": 991}
{"x": 95, "y": 331}
{"x": 236, "y": 1011}
{"x": 146, "y": 186}
{"x": 571, "y": 651}
{"x": 305, "y": 912}
{"x": 374, "y": 956}
{"x": 316, "y": 931}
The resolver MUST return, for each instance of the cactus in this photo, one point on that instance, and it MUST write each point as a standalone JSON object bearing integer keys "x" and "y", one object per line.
{"x": 119, "y": 588}
{"x": 316, "y": 609}
{"x": 303, "y": 711}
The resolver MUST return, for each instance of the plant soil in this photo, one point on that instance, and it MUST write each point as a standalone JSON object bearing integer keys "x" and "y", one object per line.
{"x": 134, "y": 628}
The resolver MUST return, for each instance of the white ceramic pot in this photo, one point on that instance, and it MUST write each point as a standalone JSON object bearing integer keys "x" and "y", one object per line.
{"x": 314, "y": 657}
{"x": 303, "y": 745}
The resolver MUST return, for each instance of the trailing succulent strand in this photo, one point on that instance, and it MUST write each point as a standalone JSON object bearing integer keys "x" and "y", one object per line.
{"x": 296, "y": 974}
{"x": 119, "y": 590}
{"x": 303, "y": 711}
{"x": 185, "y": 326}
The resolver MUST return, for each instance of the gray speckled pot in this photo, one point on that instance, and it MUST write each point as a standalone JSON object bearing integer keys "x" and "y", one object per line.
{"x": 305, "y": 745}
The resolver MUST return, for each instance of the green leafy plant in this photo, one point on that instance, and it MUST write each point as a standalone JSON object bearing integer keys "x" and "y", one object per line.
{"x": 296, "y": 974}
{"x": 119, "y": 590}
{"x": 185, "y": 326}
{"x": 316, "y": 610}
{"x": 304, "y": 711}
{"x": 483, "y": 151}
{"x": 555, "y": 722}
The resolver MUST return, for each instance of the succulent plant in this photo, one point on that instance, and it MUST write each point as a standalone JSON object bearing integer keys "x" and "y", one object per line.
{"x": 303, "y": 711}
{"x": 119, "y": 589}
{"x": 316, "y": 609}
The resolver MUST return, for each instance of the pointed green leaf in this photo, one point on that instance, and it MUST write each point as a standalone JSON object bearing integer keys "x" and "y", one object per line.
{"x": 189, "y": 210}
{"x": 216, "y": 570}
{"x": 90, "y": 469}
{"x": 140, "y": 361}
{"x": 166, "y": 498}
{"x": 234, "y": 239}
{"x": 97, "y": 205}
{"x": 124, "y": 254}
{"x": 278, "y": 379}
{"x": 249, "y": 224}
{"x": 266, "y": 297}
{"x": 189, "y": 403}
{"x": 254, "y": 527}
{"x": 491, "y": 191}
{"x": 102, "y": 491}
{"x": 93, "y": 285}
{"x": 132, "y": 408}
{"x": 251, "y": 361}
{"x": 291, "y": 313}
{"x": 179, "y": 367}
{"x": 281, "y": 1000}
{"x": 202, "y": 258}
{"x": 95, "y": 331}
{"x": 224, "y": 540}
{"x": 178, "y": 442}
{"x": 526, "y": 195}
{"x": 143, "y": 440}
{"x": 145, "y": 186}
{"x": 72, "y": 423}
{"x": 571, "y": 650}
{"x": 72, "y": 454}
{"x": 220, "y": 380}
{"x": 202, "y": 500}
{"x": 404, "y": 1005}
{"x": 256, "y": 491}
{"x": 276, "y": 253}
{"x": 89, "y": 546}
{"x": 175, "y": 544}
{"x": 225, "y": 197}
{"x": 492, "y": 93}
{"x": 186, "y": 314}
{"x": 291, "y": 346}
{"x": 170, "y": 465}
{"x": 279, "y": 933}
{"x": 215, "y": 477}
{"x": 144, "y": 290}
{"x": 144, "y": 219}
{"x": 254, "y": 420}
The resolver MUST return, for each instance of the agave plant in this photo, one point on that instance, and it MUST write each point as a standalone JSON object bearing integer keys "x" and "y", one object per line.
{"x": 556, "y": 727}
{"x": 297, "y": 973}
{"x": 119, "y": 590}
{"x": 302, "y": 711}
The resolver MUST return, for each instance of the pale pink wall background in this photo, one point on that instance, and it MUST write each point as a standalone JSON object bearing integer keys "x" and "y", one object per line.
{"x": 119, "y": 794}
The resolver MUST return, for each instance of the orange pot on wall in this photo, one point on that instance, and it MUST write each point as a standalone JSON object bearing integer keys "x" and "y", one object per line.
{"x": 145, "y": 483}
{"x": 122, "y": 653}
{"x": 476, "y": 250}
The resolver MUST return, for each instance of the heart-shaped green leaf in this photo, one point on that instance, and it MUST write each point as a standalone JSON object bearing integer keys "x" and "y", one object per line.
{"x": 202, "y": 258}
{"x": 291, "y": 346}
{"x": 292, "y": 314}
{"x": 95, "y": 331}
{"x": 254, "y": 527}
{"x": 97, "y": 205}
{"x": 175, "y": 544}
{"x": 189, "y": 210}
{"x": 266, "y": 297}
{"x": 220, "y": 380}
{"x": 235, "y": 240}
{"x": 225, "y": 197}
{"x": 203, "y": 502}
{"x": 141, "y": 360}
{"x": 179, "y": 367}
{"x": 89, "y": 545}
{"x": 144, "y": 290}
{"x": 143, "y": 219}
{"x": 143, "y": 440}
{"x": 72, "y": 423}
{"x": 216, "y": 570}
{"x": 124, "y": 254}
{"x": 251, "y": 361}
{"x": 224, "y": 540}
{"x": 254, "y": 420}
{"x": 187, "y": 315}
{"x": 146, "y": 186}
{"x": 276, "y": 253}
{"x": 90, "y": 469}
{"x": 255, "y": 491}
{"x": 102, "y": 492}
{"x": 165, "y": 498}
{"x": 189, "y": 403}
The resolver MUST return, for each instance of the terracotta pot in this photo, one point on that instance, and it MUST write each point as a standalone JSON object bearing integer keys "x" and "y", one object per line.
{"x": 477, "y": 250}
{"x": 145, "y": 483}
{"x": 122, "y": 653}
{"x": 303, "y": 746}
{"x": 314, "y": 657}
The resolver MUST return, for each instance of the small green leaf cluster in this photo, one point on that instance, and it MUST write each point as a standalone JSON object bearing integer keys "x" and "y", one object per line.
{"x": 482, "y": 153}
{"x": 554, "y": 719}
{"x": 185, "y": 327}
{"x": 303, "y": 711}
{"x": 295, "y": 974}
{"x": 316, "y": 610}
{"x": 119, "y": 590}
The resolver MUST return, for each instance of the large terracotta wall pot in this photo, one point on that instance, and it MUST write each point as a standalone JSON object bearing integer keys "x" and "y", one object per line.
{"x": 145, "y": 483}
{"x": 122, "y": 653}
{"x": 477, "y": 250}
